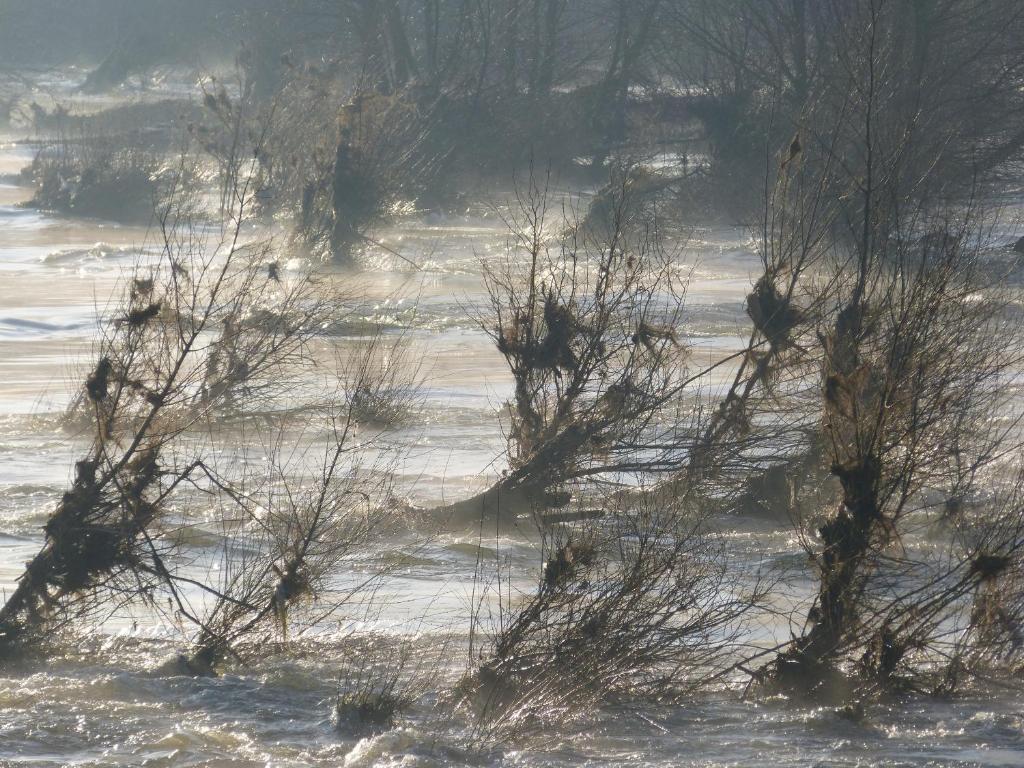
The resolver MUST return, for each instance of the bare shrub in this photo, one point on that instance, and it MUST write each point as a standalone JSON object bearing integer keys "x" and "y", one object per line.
{"x": 589, "y": 328}
{"x": 284, "y": 544}
{"x": 910, "y": 346}
{"x": 640, "y": 607}
{"x": 784, "y": 303}
{"x": 962, "y": 623}
{"x": 591, "y": 331}
{"x": 993, "y": 540}
{"x": 152, "y": 386}
{"x": 336, "y": 161}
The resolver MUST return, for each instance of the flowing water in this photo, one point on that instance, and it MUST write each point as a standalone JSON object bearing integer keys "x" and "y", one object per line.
{"x": 101, "y": 701}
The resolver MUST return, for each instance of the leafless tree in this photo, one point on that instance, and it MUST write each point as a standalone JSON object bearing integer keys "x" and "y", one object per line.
{"x": 912, "y": 344}
{"x": 912, "y": 373}
{"x": 589, "y": 325}
{"x": 158, "y": 378}
{"x": 764, "y": 65}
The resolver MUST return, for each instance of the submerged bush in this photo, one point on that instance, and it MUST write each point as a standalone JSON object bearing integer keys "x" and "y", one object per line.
{"x": 588, "y": 327}
{"x": 150, "y": 390}
{"x": 914, "y": 351}
{"x": 284, "y": 542}
{"x": 637, "y": 607}
{"x": 97, "y": 179}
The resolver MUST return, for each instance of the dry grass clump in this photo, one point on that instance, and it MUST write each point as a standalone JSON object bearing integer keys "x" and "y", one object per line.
{"x": 380, "y": 681}
{"x": 383, "y": 382}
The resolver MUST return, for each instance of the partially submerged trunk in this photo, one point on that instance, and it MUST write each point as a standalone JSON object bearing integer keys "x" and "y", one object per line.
{"x": 847, "y": 538}
{"x": 90, "y": 538}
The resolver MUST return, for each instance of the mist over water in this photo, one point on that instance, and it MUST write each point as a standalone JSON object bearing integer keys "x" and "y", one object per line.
{"x": 433, "y": 593}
